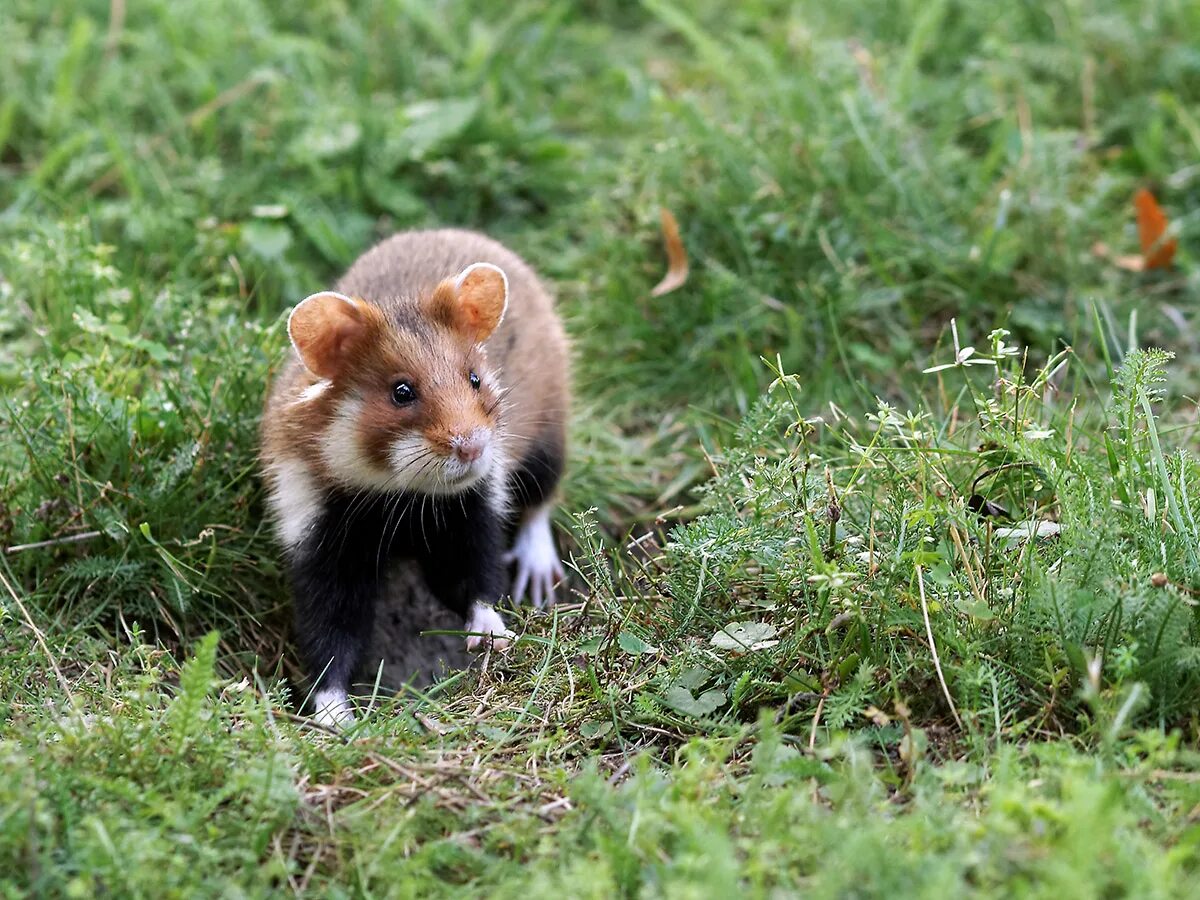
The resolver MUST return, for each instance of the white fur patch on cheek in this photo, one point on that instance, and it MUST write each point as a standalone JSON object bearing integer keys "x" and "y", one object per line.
{"x": 414, "y": 462}
{"x": 342, "y": 452}
{"x": 295, "y": 501}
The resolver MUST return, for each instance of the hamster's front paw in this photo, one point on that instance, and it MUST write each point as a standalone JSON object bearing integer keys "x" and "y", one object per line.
{"x": 489, "y": 629}
{"x": 331, "y": 708}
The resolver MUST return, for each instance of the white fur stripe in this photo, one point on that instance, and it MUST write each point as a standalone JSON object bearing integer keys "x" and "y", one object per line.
{"x": 294, "y": 499}
{"x": 313, "y": 391}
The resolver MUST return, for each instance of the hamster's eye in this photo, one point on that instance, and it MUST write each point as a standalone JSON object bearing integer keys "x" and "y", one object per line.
{"x": 475, "y": 382}
{"x": 403, "y": 393}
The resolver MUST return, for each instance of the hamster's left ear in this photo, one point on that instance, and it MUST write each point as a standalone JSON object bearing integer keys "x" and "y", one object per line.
{"x": 329, "y": 329}
{"x": 473, "y": 302}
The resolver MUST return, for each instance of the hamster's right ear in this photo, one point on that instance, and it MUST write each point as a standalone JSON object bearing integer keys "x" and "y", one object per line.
{"x": 328, "y": 328}
{"x": 473, "y": 302}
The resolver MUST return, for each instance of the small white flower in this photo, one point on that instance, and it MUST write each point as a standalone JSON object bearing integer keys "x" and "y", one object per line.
{"x": 963, "y": 356}
{"x": 832, "y": 580}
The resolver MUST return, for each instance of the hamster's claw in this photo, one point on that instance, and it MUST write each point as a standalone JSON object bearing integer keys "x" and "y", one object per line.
{"x": 538, "y": 580}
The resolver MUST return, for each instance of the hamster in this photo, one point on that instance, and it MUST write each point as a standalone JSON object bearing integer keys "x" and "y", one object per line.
{"x": 421, "y": 415}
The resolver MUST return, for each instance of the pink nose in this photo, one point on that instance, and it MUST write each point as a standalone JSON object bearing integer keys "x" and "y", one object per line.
{"x": 469, "y": 449}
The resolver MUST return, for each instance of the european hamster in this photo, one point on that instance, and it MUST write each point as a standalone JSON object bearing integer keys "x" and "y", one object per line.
{"x": 422, "y": 415}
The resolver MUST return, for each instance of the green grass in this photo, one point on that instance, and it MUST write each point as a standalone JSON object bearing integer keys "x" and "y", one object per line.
{"x": 795, "y": 658}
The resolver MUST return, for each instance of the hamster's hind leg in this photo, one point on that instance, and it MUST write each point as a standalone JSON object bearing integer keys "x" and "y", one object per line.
{"x": 534, "y": 556}
{"x": 538, "y": 567}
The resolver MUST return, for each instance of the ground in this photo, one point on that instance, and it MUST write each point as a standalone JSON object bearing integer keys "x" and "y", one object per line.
{"x": 881, "y": 528}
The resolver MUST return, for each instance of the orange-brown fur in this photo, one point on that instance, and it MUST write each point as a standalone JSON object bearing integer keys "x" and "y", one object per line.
{"x": 403, "y": 279}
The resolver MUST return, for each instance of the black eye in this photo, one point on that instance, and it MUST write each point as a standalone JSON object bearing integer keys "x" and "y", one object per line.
{"x": 403, "y": 394}
{"x": 474, "y": 379}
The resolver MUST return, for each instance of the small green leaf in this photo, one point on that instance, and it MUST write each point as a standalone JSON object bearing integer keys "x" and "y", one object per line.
{"x": 337, "y": 236}
{"x": 495, "y": 734}
{"x": 681, "y": 700}
{"x": 118, "y": 333}
{"x": 595, "y": 729}
{"x": 326, "y": 141}
{"x": 592, "y": 644}
{"x": 800, "y": 680}
{"x": 394, "y": 195}
{"x": 693, "y": 678}
{"x": 433, "y": 122}
{"x": 979, "y": 611}
{"x": 942, "y": 574}
{"x": 631, "y": 643}
{"x": 847, "y": 666}
{"x": 266, "y": 240}
{"x": 745, "y": 636}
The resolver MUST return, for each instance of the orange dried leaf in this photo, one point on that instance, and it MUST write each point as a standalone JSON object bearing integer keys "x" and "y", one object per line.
{"x": 677, "y": 260}
{"x": 1152, "y": 226}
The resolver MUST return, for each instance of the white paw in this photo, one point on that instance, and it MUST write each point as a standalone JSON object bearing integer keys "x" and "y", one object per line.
{"x": 331, "y": 708}
{"x": 538, "y": 565}
{"x": 489, "y": 630}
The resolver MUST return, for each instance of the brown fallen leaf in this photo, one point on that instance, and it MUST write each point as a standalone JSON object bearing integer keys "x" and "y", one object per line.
{"x": 1152, "y": 226}
{"x": 677, "y": 260}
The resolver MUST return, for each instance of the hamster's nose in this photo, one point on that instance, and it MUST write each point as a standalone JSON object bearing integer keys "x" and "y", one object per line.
{"x": 470, "y": 447}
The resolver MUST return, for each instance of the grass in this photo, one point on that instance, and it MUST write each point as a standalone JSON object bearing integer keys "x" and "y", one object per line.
{"x": 796, "y": 657}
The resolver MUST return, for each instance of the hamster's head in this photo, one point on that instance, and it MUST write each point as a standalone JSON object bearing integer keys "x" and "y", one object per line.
{"x": 406, "y": 402}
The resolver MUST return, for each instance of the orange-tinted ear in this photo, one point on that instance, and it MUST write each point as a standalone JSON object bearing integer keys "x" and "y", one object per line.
{"x": 474, "y": 301}
{"x": 327, "y": 328}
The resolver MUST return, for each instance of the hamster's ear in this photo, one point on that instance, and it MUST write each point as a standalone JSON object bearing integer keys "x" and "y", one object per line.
{"x": 328, "y": 328}
{"x": 474, "y": 301}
